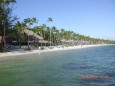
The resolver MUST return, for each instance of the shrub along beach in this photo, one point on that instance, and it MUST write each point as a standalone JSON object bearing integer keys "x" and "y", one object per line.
{"x": 23, "y": 37}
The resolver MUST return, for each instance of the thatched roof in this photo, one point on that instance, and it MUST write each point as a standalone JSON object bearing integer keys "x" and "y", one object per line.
{"x": 37, "y": 36}
{"x": 28, "y": 32}
{"x": 31, "y": 33}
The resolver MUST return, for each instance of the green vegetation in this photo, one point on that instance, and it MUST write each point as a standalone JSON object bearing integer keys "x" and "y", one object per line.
{"x": 6, "y": 20}
{"x": 11, "y": 29}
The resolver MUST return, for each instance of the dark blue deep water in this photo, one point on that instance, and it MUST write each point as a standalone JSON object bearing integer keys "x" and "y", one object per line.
{"x": 61, "y": 68}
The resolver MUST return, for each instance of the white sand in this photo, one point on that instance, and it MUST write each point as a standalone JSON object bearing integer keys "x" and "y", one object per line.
{"x": 16, "y": 53}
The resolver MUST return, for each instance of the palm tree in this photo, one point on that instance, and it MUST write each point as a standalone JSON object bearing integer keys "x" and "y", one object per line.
{"x": 30, "y": 22}
{"x": 54, "y": 29}
{"x": 44, "y": 31}
{"x": 62, "y": 33}
{"x": 58, "y": 36}
{"x": 35, "y": 29}
{"x": 41, "y": 32}
{"x": 5, "y": 10}
{"x": 50, "y": 20}
{"x": 20, "y": 26}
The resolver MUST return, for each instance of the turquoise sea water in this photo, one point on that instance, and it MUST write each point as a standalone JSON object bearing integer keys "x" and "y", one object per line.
{"x": 61, "y": 68}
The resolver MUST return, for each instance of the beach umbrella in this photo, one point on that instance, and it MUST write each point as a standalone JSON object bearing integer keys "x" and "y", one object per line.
{"x": 29, "y": 32}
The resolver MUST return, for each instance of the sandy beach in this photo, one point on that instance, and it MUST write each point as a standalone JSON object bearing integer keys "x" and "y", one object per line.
{"x": 56, "y": 48}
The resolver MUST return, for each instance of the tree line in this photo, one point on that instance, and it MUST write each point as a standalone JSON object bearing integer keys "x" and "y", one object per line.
{"x": 11, "y": 27}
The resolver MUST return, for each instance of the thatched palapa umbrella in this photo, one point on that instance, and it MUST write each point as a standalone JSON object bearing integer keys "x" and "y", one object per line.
{"x": 31, "y": 33}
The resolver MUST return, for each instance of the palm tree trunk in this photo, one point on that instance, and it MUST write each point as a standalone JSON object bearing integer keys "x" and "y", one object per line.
{"x": 4, "y": 33}
{"x": 19, "y": 43}
{"x": 35, "y": 42}
{"x": 4, "y": 38}
{"x": 50, "y": 37}
{"x": 28, "y": 42}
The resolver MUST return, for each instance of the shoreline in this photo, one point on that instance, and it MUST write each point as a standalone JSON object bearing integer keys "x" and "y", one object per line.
{"x": 19, "y": 53}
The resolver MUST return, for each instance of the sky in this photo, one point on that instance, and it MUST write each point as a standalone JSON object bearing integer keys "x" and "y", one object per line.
{"x": 94, "y": 18}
